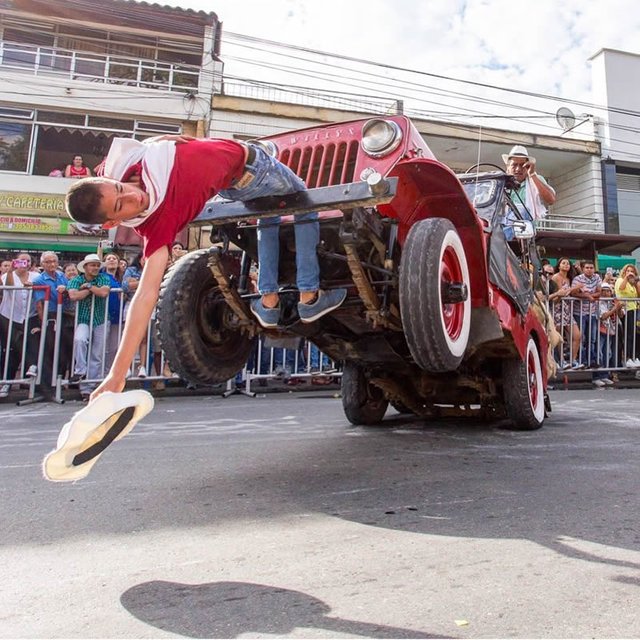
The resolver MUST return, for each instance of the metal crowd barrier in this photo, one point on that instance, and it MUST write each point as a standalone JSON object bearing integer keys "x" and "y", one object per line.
{"x": 589, "y": 344}
{"x": 23, "y": 341}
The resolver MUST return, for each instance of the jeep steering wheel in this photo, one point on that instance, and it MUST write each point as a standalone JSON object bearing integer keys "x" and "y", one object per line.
{"x": 484, "y": 164}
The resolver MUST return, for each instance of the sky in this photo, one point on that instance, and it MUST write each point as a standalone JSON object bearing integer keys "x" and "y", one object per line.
{"x": 542, "y": 47}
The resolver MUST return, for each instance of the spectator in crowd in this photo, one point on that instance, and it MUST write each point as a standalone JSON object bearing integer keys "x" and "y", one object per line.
{"x": 562, "y": 313}
{"x": 130, "y": 282}
{"x": 5, "y": 265}
{"x": 177, "y": 251}
{"x": 533, "y": 194}
{"x": 587, "y": 287}
{"x": 124, "y": 263}
{"x": 116, "y": 305}
{"x": 56, "y": 282}
{"x": 90, "y": 290}
{"x": 627, "y": 288}
{"x": 70, "y": 270}
{"x": 610, "y": 311}
{"x": 18, "y": 322}
{"x": 77, "y": 169}
{"x": 147, "y": 192}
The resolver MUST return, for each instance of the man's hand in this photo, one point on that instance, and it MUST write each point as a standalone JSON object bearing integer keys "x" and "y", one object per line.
{"x": 110, "y": 383}
{"x": 530, "y": 166}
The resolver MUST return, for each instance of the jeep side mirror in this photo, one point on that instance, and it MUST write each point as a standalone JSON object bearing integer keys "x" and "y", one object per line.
{"x": 523, "y": 229}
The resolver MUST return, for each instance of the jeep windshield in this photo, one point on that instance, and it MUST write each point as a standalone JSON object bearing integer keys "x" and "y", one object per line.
{"x": 483, "y": 194}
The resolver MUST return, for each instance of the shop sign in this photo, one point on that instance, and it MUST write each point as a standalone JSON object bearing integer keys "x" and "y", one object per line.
{"x": 48, "y": 204}
{"x": 33, "y": 224}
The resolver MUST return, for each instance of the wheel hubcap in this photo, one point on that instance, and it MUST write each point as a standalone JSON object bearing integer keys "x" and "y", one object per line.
{"x": 451, "y": 281}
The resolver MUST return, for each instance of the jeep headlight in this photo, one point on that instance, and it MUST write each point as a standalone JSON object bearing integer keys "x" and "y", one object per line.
{"x": 380, "y": 137}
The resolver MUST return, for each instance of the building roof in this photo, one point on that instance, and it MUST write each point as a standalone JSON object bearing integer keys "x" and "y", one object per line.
{"x": 134, "y": 14}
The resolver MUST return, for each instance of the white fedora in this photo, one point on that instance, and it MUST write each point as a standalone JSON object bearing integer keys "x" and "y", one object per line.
{"x": 90, "y": 431}
{"x": 92, "y": 257}
{"x": 517, "y": 151}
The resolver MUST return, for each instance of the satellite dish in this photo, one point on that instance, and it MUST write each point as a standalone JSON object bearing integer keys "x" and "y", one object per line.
{"x": 565, "y": 118}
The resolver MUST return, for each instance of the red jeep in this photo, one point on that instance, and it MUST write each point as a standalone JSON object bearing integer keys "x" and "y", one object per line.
{"x": 440, "y": 318}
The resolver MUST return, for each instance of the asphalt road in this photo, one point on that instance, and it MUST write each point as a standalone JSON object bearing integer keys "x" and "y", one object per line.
{"x": 272, "y": 517}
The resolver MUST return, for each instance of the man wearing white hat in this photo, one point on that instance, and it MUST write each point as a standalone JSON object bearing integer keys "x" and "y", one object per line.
{"x": 533, "y": 194}
{"x": 90, "y": 290}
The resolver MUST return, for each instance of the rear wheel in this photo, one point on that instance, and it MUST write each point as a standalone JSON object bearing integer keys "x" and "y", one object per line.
{"x": 363, "y": 403}
{"x": 523, "y": 389}
{"x": 196, "y": 326}
{"x": 435, "y": 295}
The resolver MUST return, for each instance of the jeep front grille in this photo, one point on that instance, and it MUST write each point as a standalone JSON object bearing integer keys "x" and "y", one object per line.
{"x": 324, "y": 164}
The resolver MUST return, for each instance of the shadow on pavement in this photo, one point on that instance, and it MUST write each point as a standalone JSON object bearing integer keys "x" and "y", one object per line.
{"x": 231, "y": 609}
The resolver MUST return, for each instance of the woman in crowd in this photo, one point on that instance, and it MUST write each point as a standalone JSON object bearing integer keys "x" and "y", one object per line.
{"x": 77, "y": 169}
{"x": 130, "y": 282}
{"x": 562, "y": 312}
{"x": 177, "y": 251}
{"x": 627, "y": 289}
{"x": 116, "y": 303}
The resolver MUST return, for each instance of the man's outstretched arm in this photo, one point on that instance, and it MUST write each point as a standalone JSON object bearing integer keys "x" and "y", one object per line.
{"x": 135, "y": 327}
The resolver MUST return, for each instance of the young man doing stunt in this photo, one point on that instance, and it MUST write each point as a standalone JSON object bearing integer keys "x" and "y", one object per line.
{"x": 159, "y": 186}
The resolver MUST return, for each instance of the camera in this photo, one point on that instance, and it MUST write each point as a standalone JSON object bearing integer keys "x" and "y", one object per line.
{"x": 20, "y": 263}
{"x": 632, "y": 279}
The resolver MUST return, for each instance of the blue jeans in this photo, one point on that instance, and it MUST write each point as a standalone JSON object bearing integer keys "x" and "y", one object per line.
{"x": 589, "y": 327}
{"x": 272, "y": 178}
{"x": 607, "y": 346}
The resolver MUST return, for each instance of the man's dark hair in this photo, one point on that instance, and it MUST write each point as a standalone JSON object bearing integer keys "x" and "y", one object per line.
{"x": 83, "y": 201}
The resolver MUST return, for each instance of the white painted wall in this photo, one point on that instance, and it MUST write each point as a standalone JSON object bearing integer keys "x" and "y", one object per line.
{"x": 579, "y": 191}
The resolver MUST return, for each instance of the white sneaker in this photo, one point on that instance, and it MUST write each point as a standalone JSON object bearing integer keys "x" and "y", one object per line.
{"x": 4, "y": 390}
{"x": 636, "y": 363}
{"x": 630, "y": 364}
{"x": 607, "y": 381}
{"x": 32, "y": 371}
{"x": 599, "y": 382}
{"x": 142, "y": 372}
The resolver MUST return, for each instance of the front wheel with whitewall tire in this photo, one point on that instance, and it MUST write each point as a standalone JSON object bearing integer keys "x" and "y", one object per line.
{"x": 435, "y": 295}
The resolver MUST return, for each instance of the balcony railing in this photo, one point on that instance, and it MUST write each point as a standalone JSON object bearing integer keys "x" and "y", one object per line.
{"x": 94, "y": 67}
{"x": 574, "y": 224}
{"x": 311, "y": 97}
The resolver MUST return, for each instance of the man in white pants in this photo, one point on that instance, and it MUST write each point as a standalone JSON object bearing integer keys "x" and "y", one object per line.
{"x": 90, "y": 290}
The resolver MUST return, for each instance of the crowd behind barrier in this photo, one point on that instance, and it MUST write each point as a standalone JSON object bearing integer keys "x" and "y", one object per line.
{"x": 48, "y": 353}
{"x": 600, "y": 336}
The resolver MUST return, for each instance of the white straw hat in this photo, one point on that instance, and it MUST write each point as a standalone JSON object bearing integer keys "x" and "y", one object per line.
{"x": 517, "y": 151}
{"x": 92, "y": 257}
{"x": 90, "y": 431}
